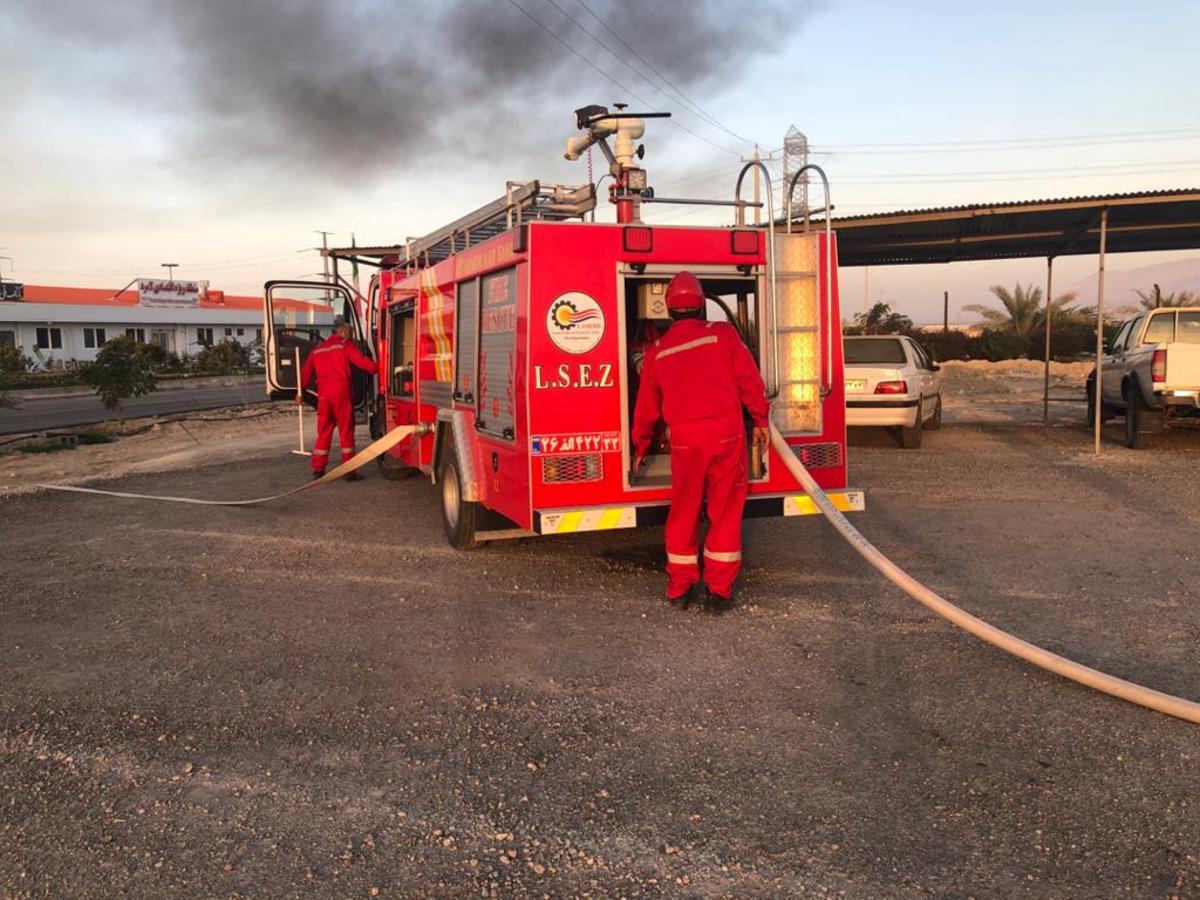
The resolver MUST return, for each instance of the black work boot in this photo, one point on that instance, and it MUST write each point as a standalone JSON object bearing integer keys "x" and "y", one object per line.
{"x": 353, "y": 476}
{"x": 684, "y": 600}
{"x": 717, "y": 603}
{"x": 318, "y": 474}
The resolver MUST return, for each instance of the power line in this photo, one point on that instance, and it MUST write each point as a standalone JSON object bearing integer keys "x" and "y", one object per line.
{"x": 1037, "y": 140}
{"x": 611, "y": 78}
{"x": 679, "y": 91}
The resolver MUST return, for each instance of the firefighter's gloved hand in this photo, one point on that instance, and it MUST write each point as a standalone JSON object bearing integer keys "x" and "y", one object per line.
{"x": 635, "y": 466}
{"x": 761, "y": 438}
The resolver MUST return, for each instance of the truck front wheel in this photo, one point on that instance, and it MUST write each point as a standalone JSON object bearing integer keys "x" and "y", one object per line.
{"x": 458, "y": 513}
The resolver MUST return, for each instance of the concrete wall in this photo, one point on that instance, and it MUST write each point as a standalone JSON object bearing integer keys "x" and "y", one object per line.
{"x": 181, "y": 339}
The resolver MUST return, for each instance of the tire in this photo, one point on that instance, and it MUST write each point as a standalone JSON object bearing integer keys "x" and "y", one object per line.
{"x": 935, "y": 421}
{"x": 910, "y": 438}
{"x": 392, "y": 469}
{"x": 458, "y": 514}
{"x": 389, "y": 466}
{"x": 1141, "y": 423}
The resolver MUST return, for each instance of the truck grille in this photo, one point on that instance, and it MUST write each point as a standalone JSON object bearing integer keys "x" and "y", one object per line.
{"x": 572, "y": 469}
{"x": 819, "y": 456}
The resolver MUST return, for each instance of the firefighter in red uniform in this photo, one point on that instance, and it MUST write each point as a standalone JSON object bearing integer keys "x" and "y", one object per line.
{"x": 331, "y": 362}
{"x": 698, "y": 377}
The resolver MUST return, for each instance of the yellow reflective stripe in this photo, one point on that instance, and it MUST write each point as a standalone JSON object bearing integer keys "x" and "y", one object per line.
{"x": 804, "y": 505}
{"x": 609, "y": 519}
{"x": 570, "y": 521}
{"x": 683, "y": 559}
{"x": 718, "y": 556}
{"x": 690, "y": 345}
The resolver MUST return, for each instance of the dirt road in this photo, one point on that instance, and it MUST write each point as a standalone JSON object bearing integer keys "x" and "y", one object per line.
{"x": 318, "y": 698}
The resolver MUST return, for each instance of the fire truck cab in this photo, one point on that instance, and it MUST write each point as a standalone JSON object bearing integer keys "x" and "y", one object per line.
{"x": 517, "y": 333}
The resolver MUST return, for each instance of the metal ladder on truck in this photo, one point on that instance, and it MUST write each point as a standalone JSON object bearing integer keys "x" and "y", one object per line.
{"x": 796, "y": 368}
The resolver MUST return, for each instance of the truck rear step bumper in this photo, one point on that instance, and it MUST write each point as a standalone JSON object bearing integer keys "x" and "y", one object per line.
{"x": 607, "y": 518}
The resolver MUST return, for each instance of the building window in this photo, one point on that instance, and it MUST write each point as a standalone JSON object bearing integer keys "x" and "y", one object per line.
{"x": 258, "y": 335}
{"x": 228, "y": 332}
{"x": 49, "y": 338}
{"x": 241, "y": 331}
{"x": 8, "y": 339}
{"x": 138, "y": 334}
{"x": 93, "y": 338}
{"x": 204, "y": 336}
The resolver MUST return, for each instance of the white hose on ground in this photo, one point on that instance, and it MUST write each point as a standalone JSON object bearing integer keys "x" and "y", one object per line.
{"x": 370, "y": 452}
{"x": 1052, "y": 662}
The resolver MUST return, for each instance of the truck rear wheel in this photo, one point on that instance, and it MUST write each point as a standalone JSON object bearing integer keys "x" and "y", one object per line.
{"x": 1141, "y": 423}
{"x": 458, "y": 513}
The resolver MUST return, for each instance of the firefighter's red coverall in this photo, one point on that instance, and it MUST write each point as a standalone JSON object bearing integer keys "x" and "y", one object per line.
{"x": 698, "y": 377}
{"x": 331, "y": 362}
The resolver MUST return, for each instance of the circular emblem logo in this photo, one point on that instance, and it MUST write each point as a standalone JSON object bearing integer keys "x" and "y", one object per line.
{"x": 575, "y": 322}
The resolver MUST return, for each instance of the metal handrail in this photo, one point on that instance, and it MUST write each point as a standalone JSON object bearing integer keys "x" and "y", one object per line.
{"x": 740, "y": 219}
{"x": 827, "y": 367}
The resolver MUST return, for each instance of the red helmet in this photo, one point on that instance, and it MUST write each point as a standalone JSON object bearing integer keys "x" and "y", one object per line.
{"x": 685, "y": 292}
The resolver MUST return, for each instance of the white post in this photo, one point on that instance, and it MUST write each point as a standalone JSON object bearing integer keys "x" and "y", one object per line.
{"x": 300, "y": 408}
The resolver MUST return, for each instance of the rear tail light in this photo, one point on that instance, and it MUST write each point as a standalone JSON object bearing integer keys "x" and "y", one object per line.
{"x": 1158, "y": 366}
{"x": 892, "y": 387}
{"x": 743, "y": 242}
{"x": 638, "y": 238}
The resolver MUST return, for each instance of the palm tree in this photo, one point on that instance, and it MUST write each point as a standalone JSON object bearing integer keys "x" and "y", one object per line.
{"x": 1023, "y": 314}
{"x": 1155, "y": 298}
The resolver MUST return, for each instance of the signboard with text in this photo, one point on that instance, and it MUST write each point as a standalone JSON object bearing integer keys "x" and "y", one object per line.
{"x": 177, "y": 294}
{"x": 12, "y": 290}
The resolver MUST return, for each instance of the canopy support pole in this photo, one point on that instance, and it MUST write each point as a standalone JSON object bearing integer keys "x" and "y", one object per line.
{"x": 1099, "y": 404}
{"x": 1046, "y": 384}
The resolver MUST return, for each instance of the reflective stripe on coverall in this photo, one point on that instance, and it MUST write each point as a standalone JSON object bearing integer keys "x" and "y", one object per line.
{"x": 698, "y": 377}
{"x": 331, "y": 362}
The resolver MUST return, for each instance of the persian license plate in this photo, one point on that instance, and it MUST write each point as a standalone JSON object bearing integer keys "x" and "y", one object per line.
{"x": 855, "y": 384}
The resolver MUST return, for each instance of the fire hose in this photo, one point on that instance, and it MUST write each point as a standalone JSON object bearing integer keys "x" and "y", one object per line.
{"x": 370, "y": 452}
{"x": 1052, "y": 662}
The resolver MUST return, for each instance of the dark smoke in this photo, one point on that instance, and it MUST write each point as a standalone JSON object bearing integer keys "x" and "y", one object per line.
{"x": 357, "y": 90}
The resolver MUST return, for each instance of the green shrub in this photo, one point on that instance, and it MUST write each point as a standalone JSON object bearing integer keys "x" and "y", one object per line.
{"x": 122, "y": 370}
{"x": 13, "y": 360}
{"x": 224, "y": 358}
{"x": 998, "y": 345}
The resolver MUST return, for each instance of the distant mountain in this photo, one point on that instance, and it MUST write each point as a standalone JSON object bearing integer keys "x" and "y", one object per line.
{"x": 1119, "y": 287}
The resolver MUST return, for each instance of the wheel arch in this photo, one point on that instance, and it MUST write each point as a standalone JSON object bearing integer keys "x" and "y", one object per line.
{"x": 453, "y": 430}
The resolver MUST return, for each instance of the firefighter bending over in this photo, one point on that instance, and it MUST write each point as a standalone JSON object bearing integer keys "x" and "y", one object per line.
{"x": 331, "y": 363}
{"x": 698, "y": 377}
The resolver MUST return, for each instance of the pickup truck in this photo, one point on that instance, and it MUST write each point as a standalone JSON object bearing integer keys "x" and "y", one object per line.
{"x": 1150, "y": 373}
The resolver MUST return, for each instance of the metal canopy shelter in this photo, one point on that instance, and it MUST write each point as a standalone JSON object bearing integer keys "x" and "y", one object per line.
{"x": 1108, "y": 223}
{"x": 1158, "y": 220}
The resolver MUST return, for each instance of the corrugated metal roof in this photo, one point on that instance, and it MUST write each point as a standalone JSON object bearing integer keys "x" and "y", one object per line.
{"x": 1009, "y": 204}
{"x": 1147, "y": 220}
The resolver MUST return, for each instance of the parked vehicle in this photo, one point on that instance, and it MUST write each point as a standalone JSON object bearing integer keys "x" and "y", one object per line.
{"x": 891, "y": 382}
{"x": 1151, "y": 374}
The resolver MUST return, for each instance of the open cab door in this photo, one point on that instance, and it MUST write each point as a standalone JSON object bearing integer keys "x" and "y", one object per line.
{"x": 299, "y": 315}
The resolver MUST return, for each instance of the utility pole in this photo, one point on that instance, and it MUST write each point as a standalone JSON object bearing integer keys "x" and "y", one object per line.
{"x": 945, "y": 312}
{"x": 1157, "y": 296}
{"x": 10, "y": 263}
{"x": 866, "y": 289}
{"x": 757, "y": 189}
{"x": 324, "y": 255}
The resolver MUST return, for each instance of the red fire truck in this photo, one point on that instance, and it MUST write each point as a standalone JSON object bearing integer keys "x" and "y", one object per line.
{"x": 516, "y": 333}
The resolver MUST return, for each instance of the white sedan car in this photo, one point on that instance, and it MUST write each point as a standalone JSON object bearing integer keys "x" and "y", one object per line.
{"x": 891, "y": 382}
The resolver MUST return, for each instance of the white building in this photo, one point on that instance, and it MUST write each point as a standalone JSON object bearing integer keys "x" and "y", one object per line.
{"x": 55, "y": 325}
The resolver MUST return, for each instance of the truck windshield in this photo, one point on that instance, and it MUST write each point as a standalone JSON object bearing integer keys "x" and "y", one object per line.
{"x": 1189, "y": 328}
{"x": 873, "y": 351}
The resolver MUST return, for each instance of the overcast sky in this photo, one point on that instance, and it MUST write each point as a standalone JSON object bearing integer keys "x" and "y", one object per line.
{"x": 219, "y": 134}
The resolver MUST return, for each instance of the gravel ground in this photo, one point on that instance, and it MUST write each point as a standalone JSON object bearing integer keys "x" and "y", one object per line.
{"x": 318, "y": 698}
